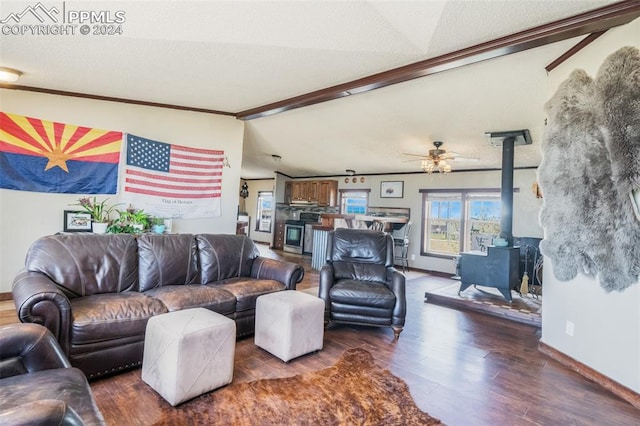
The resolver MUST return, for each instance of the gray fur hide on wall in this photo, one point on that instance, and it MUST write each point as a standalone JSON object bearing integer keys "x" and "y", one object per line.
{"x": 590, "y": 166}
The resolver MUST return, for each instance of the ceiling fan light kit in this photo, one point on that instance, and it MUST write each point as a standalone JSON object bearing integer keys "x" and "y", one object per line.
{"x": 9, "y": 75}
{"x": 436, "y": 161}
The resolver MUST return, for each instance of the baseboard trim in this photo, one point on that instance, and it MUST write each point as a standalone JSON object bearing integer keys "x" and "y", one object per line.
{"x": 6, "y": 296}
{"x": 616, "y": 388}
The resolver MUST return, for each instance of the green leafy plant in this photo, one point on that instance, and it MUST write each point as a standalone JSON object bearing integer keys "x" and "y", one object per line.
{"x": 156, "y": 220}
{"x": 99, "y": 211}
{"x": 129, "y": 221}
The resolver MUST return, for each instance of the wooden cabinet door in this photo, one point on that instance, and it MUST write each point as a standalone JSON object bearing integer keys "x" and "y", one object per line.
{"x": 287, "y": 192}
{"x": 327, "y": 192}
{"x": 278, "y": 236}
{"x": 312, "y": 191}
{"x": 297, "y": 191}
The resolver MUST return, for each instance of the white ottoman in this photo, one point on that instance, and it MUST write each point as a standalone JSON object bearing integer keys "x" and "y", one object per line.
{"x": 188, "y": 353}
{"x": 289, "y": 323}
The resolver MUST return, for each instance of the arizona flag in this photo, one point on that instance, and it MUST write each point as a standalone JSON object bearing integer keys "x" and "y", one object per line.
{"x": 44, "y": 156}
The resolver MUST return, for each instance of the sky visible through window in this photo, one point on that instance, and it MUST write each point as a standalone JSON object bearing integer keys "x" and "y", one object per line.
{"x": 481, "y": 210}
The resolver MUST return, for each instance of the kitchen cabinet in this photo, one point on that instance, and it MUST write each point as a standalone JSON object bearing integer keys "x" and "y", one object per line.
{"x": 322, "y": 192}
{"x": 327, "y": 192}
{"x": 278, "y": 235}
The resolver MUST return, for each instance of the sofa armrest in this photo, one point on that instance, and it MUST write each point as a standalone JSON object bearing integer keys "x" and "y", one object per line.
{"x": 288, "y": 273}
{"x": 396, "y": 281}
{"x": 38, "y": 300}
{"x": 27, "y": 348}
{"x": 43, "y": 412}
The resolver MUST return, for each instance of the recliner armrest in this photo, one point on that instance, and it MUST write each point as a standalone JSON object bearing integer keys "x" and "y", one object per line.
{"x": 396, "y": 281}
{"x": 27, "y": 348}
{"x": 288, "y": 273}
{"x": 327, "y": 278}
{"x": 43, "y": 412}
{"x": 38, "y": 300}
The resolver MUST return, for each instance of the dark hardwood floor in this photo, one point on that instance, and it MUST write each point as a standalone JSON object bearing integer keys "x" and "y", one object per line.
{"x": 464, "y": 368}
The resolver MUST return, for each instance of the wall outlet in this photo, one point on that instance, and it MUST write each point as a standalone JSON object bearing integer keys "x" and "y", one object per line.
{"x": 569, "y": 328}
{"x": 413, "y": 257}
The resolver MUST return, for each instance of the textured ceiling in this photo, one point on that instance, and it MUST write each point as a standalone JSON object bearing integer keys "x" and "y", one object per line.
{"x": 232, "y": 56}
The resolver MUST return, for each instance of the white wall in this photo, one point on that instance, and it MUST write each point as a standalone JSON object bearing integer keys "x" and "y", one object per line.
{"x": 606, "y": 325}
{"x": 252, "y": 208}
{"x": 26, "y": 216}
{"x": 525, "y": 205}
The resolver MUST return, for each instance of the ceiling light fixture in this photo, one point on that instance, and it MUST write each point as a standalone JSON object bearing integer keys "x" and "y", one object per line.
{"x": 9, "y": 75}
{"x": 436, "y": 161}
{"x": 350, "y": 172}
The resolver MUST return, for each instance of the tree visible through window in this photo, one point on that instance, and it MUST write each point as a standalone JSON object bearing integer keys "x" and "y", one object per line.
{"x": 265, "y": 211}
{"x": 460, "y": 221}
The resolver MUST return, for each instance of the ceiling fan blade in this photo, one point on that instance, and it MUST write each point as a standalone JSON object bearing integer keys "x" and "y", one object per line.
{"x": 415, "y": 155}
{"x": 467, "y": 159}
{"x": 411, "y": 161}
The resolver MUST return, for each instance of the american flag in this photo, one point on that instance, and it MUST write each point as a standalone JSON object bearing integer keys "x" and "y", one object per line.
{"x": 173, "y": 171}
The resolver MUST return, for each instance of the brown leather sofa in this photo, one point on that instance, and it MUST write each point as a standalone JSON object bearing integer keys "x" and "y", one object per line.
{"x": 96, "y": 292}
{"x": 359, "y": 283}
{"x": 38, "y": 386}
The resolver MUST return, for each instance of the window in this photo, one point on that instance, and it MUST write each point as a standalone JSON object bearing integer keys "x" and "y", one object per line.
{"x": 460, "y": 221}
{"x": 354, "y": 201}
{"x": 265, "y": 211}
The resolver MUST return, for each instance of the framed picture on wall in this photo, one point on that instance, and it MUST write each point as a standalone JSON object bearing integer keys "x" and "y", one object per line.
{"x": 75, "y": 221}
{"x": 392, "y": 189}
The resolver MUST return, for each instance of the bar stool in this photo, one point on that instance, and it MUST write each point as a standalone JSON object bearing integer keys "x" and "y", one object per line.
{"x": 401, "y": 248}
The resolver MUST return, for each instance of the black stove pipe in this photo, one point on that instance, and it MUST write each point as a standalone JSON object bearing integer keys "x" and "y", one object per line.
{"x": 506, "y": 195}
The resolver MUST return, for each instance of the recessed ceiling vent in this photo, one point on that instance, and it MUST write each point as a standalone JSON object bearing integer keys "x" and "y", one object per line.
{"x": 521, "y": 137}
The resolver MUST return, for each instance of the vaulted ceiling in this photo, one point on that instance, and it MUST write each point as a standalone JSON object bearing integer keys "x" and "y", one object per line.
{"x": 232, "y": 57}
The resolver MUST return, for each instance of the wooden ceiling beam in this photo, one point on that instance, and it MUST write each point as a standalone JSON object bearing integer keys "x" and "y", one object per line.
{"x": 594, "y": 21}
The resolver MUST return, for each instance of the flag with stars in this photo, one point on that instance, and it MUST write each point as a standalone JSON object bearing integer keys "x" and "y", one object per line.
{"x": 45, "y": 156}
{"x": 172, "y": 181}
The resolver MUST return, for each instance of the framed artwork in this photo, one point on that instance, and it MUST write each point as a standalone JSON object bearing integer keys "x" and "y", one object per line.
{"x": 392, "y": 189}
{"x": 75, "y": 221}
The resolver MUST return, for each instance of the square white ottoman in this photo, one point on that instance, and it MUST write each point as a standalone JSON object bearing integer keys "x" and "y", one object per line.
{"x": 289, "y": 323}
{"x": 188, "y": 353}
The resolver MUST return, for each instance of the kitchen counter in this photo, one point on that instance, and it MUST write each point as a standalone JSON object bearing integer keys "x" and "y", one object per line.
{"x": 389, "y": 222}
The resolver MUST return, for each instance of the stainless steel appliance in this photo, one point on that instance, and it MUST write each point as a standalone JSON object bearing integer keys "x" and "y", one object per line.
{"x": 294, "y": 233}
{"x": 293, "y": 236}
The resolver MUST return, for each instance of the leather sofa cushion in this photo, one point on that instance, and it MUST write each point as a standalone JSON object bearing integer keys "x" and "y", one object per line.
{"x": 359, "y": 271}
{"x": 167, "y": 260}
{"x": 86, "y": 264}
{"x": 247, "y": 290}
{"x": 112, "y": 316}
{"x": 178, "y": 297}
{"x": 359, "y": 255}
{"x": 68, "y": 384}
{"x": 358, "y": 293}
{"x": 356, "y": 245}
{"x": 225, "y": 256}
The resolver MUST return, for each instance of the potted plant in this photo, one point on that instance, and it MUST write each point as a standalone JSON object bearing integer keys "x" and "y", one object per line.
{"x": 139, "y": 220}
{"x": 129, "y": 221}
{"x": 100, "y": 212}
{"x": 157, "y": 225}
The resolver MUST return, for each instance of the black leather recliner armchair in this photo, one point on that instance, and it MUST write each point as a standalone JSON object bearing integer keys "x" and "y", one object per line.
{"x": 359, "y": 283}
{"x": 38, "y": 386}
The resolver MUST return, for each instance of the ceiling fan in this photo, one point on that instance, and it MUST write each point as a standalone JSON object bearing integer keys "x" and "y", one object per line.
{"x": 436, "y": 160}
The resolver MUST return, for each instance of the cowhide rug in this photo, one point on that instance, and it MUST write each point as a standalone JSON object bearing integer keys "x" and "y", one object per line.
{"x": 355, "y": 391}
